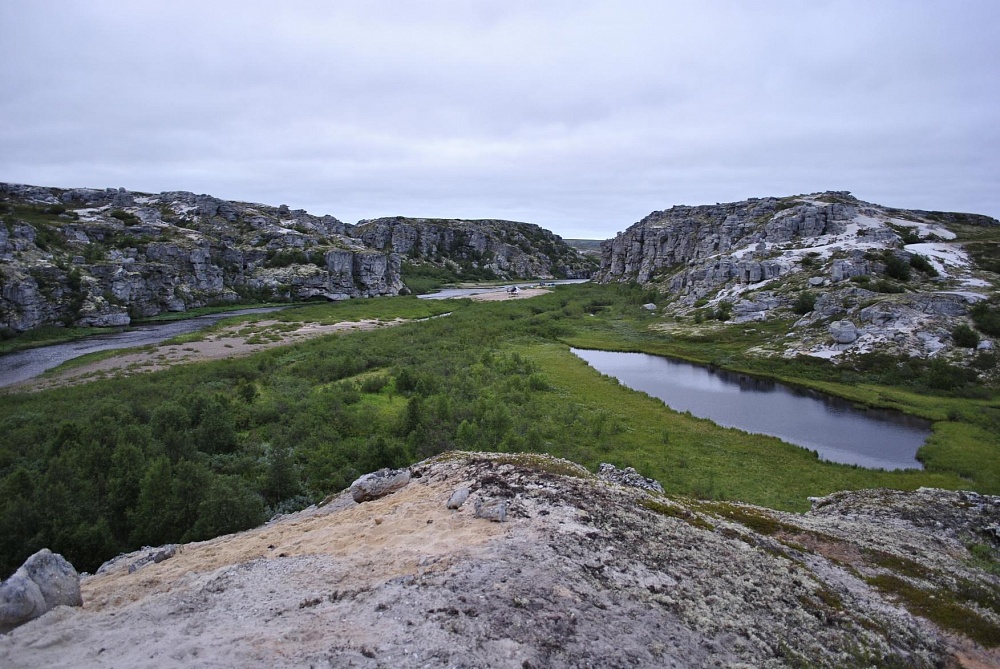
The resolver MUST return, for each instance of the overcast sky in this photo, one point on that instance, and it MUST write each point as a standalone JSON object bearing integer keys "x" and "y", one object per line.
{"x": 579, "y": 116}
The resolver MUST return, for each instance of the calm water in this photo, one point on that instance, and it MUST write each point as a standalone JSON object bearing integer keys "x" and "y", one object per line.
{"x": 24, "y": 365}
{"x": 833, "y": 427}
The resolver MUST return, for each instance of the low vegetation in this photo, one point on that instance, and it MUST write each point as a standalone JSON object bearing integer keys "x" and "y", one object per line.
{"x": 202, "y": 449}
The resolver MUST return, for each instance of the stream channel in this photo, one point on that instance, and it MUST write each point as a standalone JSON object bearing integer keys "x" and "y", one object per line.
{"x": 24, "y": 365}
{"x": 835, "y": 428}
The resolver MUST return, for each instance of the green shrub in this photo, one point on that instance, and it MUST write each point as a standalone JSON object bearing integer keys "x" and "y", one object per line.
{"x": 883, "y": 286}
{"x": 921, "y": 264}
{"x": 805, "y": 303}
{"x": 896, "y": 268}
{"x": 125, "y": 217}
{"x": 288, "y": 257}
{"x": 965, "y": 336}
{"x": 986, "y": 317}
{"x": 909, "y": 235}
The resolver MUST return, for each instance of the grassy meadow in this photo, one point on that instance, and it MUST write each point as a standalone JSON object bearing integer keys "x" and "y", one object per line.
{"x": 208, "y": 448}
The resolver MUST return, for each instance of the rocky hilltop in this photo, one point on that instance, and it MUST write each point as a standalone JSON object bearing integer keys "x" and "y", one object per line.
{"x": 475, "y": 560}
{"x": 91, "y": 257}
{"x": 856, "y": 275}
{"x": 504, "y": 248}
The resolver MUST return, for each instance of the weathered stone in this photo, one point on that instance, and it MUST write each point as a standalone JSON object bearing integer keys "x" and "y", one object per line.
{"x": 379, "y": 484}
{"x": 44, "y": 581}
{"x": 843, "y": 332}
{"x": 151, "y": 556}
{"x": 458, "y": 498}
{"x": 21, "y": 600}
{"x": 843, "y": 269}
{"x": 56, "y": 578}
{"x": 627, "y": 477}
{"x": 494, "y": 510}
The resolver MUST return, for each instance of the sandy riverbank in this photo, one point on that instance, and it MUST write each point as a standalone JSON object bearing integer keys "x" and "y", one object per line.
{"x": 238, "y": 340}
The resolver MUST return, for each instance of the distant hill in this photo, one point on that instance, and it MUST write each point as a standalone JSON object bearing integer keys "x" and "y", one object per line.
{"x": 92, "y": 257}
{"x": 456, "y": 249}
{"x": 855, "y": 276}
{"x": 586, "y": 246}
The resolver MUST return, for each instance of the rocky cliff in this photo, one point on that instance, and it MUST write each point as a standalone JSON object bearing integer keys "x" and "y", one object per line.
{"x": 91, "y": 257}
{"x": 860, "y": 276}
{"x": 505, "y": 249}
{"x": 548, "y": 565}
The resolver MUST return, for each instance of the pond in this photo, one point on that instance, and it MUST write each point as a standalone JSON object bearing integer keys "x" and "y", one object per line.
{"x": 24, "y": 365}
{"x": 834, "y": 428}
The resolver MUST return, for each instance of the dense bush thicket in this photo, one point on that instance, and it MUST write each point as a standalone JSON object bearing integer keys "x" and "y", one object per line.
{"x": 200, "y": 450}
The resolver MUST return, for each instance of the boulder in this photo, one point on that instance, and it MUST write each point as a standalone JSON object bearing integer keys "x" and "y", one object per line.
{"x": 21, "y": 600}
{"x": 494, "y": 510}
{"x": 843, "y": 332}
{"x": 45, "y": 580}
{"x": 458, "y": 498}
{"x": 379, "y": 484}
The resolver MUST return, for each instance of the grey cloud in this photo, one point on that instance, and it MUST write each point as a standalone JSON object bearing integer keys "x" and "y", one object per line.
{"x": 580, "y": 116}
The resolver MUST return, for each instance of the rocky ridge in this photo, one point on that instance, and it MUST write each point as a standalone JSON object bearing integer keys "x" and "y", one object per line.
{"x": 504, "y": 248}
{"x": 856, "y": 276}
{"x": 90, "y": 257}
{"x": 581, "y": 571}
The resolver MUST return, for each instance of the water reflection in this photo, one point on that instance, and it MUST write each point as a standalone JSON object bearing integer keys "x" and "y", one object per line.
{"x": 833, "y": 427}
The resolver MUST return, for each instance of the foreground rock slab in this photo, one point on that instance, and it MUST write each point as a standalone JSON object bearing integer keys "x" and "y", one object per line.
{"x": 582, "y": 573}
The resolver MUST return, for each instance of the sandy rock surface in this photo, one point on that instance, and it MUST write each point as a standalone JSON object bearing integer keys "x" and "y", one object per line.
{"x": 582, "y": 573}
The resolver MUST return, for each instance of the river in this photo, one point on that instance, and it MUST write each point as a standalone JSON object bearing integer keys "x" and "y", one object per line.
{"x": 24, "y": 365}
{"x": 834, "y": 428}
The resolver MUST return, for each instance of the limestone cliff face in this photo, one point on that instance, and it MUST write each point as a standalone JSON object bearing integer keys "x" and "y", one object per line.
{"x": 899, "y": 277}
{"x": 507, "y": 249}
{"x": 103, "y": 257}
{"x": 701, "y": 248}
